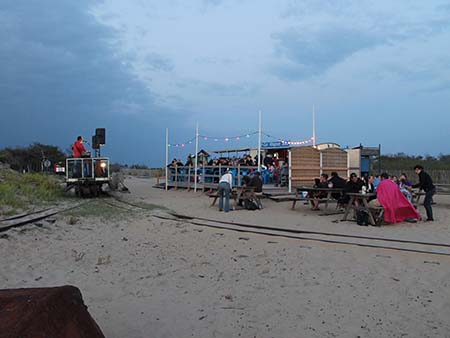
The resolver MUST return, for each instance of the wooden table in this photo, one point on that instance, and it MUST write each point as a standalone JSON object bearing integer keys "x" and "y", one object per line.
{"x": 364, "y": 198}
{"x": 312, "y": 190}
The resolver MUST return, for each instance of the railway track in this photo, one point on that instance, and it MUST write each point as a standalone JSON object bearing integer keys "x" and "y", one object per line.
{"x": 396, "y": 244}
{"x": 439, "y": 249}
{"x": 28, "y": 218}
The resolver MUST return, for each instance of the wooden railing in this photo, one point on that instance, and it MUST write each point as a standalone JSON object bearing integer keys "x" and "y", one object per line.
{"x": 207, "y": 176}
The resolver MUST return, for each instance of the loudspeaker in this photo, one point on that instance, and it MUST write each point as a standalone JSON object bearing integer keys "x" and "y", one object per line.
{"x": 95, "y": 144}
{"x": 100, "y": 133}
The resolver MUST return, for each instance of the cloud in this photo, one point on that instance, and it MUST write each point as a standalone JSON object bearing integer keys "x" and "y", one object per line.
{"x": 212, "y": 2}
{"x": 62, "y": 75}
{"x": 220, "y": 89}
{"x": 158, "y": 62}
{"x": 307, "y": 54}
{"x": 323, "y": 34}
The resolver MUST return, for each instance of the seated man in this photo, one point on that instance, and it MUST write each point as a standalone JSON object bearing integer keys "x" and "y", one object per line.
{"x": 256, "y": 182}
{"x": 336, "y": 182}
{"x": 396, "y": 207}
{"x": 352, "y": 186}
{"x": 323, "y": 183}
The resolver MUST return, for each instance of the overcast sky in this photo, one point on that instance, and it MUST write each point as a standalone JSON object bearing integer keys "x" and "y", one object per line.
{"x": 376, "y": 71}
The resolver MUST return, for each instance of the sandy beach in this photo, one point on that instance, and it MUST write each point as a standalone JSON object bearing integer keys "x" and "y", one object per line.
{"x": 142, "y": 276}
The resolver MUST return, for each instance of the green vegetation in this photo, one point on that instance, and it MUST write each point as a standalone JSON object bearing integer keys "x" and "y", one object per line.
{"x": 18, "y": 191}
{"x": 30, "y": 158}
{"x": 403, "y": 161}
{"x": 97, "y": 208}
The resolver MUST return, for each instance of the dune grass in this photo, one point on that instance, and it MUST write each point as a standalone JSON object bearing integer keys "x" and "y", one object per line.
{"x": 21, "y": 191}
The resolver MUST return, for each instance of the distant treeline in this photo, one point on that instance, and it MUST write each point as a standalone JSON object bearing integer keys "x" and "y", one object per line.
{"x": 403, "y": 161}
{"x": 31, "y": 158}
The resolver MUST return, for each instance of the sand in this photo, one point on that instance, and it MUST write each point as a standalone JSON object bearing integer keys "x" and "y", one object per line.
{"x": 145, "y": 277}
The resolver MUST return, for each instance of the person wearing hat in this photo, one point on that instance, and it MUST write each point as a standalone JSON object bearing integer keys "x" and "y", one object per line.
{"x": 224, "y": 189}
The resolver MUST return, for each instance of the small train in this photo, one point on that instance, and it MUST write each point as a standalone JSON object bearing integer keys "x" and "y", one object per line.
{"x": 87, "y": 175}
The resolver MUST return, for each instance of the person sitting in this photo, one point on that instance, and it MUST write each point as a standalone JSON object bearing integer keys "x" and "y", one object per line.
{"x": 245, "y": 182}
{"x": 396, "y": 206}
{"x": 256, "y": 181}
{"x": 405, "y": 187}
{"x": 323, "y": 183}
{"x": 352, "y": 186}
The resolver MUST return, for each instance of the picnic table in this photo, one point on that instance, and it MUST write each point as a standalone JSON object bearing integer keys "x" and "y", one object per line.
{"x": 364, "y": 198}
{"x": 241, "y": 193}
{"x": 311, "y": 192}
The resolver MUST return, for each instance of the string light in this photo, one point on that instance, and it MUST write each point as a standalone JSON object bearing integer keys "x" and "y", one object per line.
{"x": 239, "y": 138}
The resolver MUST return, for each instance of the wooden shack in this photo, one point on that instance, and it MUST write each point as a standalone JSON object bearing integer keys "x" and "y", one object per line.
{"x": 334, "y": 159}
{"x": 305, "y": 166}
{"x": 308, "y": 163}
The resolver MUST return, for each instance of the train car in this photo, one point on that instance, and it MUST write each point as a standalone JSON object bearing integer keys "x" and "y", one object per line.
{"x": 87, "y": 175}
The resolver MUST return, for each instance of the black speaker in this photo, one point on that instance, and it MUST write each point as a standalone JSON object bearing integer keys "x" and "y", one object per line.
{"x": 100, "y": 134}
{"x": 95, "y": 144}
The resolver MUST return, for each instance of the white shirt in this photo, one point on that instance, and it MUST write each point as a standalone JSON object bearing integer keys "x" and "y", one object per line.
{"x": 227, "y": 178}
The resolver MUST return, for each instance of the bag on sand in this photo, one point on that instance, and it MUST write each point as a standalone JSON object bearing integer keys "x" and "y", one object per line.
{"x": 362, "y": 217}
{"x": 250, "y": 204}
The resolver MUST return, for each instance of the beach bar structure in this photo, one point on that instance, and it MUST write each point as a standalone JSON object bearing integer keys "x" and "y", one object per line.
{"x": 308, "y": 163}
{"x": 361, "y": 158}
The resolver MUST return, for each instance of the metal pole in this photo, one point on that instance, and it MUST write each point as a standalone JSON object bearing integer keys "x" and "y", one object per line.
{"x": 314, "y": 126}
{"x": 290, "y": 170}
{"x": 259, "y": 142}
{"x": 196, "y": 158}
{"x": 379, "y": 159}
{"x": 167, "y": 159}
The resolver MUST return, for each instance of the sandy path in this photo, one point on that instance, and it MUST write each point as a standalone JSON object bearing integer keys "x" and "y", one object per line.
{"x": 172, "y": 279}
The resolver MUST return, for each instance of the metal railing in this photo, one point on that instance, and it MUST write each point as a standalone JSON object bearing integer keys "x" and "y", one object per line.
{"x": 94, "y": 168}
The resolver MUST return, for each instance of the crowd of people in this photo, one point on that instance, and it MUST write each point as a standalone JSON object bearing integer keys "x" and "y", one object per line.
{"x": 273, "y": 170}
{"x": 393, "y": 193}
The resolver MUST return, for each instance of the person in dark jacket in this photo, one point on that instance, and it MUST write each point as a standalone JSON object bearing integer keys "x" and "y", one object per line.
{"x": 338, "y": 183}
{"x": 425, "y": 184}
{"x": 352, "y": 186}
{"x": 256, "y": 181}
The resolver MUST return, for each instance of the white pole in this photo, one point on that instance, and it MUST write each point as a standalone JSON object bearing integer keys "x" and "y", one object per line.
{"x": 290, "y": 170}
{"x": 167, "y": 158}
{"x": 314, "y": 127}
{"x": 259, "y": 142}
{"x": 196, "y": 158}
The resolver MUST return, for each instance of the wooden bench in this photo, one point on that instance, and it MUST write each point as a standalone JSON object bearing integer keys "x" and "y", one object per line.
{"x": 241, "y": 193}
{"x": 377, "y": 214}
{"x": 327, "y": 199}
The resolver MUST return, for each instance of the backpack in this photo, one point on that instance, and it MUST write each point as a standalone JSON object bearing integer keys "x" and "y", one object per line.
{"x": 250, "y": 204}
{"x": 362, "y": 217}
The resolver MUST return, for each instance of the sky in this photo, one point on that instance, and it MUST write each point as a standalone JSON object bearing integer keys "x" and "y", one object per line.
{"x": 376, "y": 72}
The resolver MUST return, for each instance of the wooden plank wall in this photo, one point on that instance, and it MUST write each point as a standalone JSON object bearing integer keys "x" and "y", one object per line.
{"x": 305, "y": 165}
{"x": 335, "y": 159}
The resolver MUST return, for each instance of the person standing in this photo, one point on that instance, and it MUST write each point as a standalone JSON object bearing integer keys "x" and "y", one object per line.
{"x": 78, "y": 152}
{"x": 78, "y": 148}
{"x": 225, "y": 186}
{"x": 426, "y": 184}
